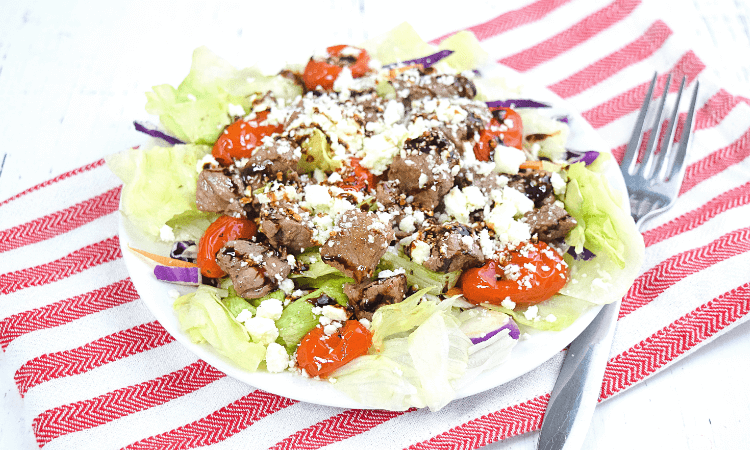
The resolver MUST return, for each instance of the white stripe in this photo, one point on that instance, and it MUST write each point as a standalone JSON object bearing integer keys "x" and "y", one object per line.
{"x": 594, "y": 49}
{"x": 50, "y": 250}
{"x": 77, "y": 333}
{"x": 528, "y": 35}
{"x": 278, "y": 426}
{"x": 57, "y": 196}
{"x": 45, "y": 294}
{"x": 690, "y": 292}
{"x": 156, "y": 420}
{"x": 130, "y": 371}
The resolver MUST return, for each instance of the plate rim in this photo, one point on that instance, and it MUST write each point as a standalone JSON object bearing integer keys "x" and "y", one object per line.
{"x": 323, "y": 392}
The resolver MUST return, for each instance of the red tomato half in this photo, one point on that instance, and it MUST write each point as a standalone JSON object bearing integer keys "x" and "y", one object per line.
{"x": 541, "y": 273}
{"x": 359, "y": 178}
{"x": 320, "y": 354}
{"x": 509, "y": 129}
{"x": 239, "y": 139}
{"x": 221, "y": 231}
{"x": 322, "y": 73}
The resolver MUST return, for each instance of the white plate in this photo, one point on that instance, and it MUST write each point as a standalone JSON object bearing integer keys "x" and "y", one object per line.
{"x": 527, "y": 355}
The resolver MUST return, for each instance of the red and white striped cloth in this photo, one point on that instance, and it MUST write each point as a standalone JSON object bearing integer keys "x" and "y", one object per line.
{"x": 98, "y": 372}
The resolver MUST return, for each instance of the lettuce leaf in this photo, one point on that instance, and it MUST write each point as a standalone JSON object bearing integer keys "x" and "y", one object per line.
{"x": 399, "y": 44}
{"x": 606, "y": 228}
{"x": 206, "y": 319}
{"x": 565, "y": 309}
{"x": 418, "y": 370}
{"x": 160, "y": 185}
{"x": 197, "y": 110}
{"x": 467, "y": 53}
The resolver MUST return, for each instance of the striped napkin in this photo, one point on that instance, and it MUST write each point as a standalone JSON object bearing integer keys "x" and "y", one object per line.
{"x": 98, "y": 372}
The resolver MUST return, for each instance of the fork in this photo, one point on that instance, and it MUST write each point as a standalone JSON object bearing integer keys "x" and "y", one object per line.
{"x": 653, "y": 183}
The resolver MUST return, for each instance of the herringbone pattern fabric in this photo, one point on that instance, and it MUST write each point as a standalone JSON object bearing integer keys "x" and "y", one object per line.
{"x": 98, "y": 372}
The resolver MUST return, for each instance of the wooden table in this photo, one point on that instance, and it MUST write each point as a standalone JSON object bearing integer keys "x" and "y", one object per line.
{"x": 72, "y": 78}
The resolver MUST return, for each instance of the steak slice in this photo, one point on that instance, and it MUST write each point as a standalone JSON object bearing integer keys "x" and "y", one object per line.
{"x": 366, "y": 297}
{"x": 255, "y": 269}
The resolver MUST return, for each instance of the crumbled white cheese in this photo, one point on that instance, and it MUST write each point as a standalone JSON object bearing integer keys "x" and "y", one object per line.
{"x": 166, "y": 233}
{"x": 271, "y": 308}
{"x": 508, "y": 159}
{"x": 420, "y": 251}
{"x": 262, "y": 330}
{"x": 287, "y": 286}
{"x": 531, "y": 313}
{"x": 244, "y": 315}
{"x": 391, "y": 273}
{"x": 558, "y": 184}
{"x": 277, "y": 359}
{"x": 550, "y": 318}
{"x": 365, "y": 323}
{"x": 335, "y": 313}
{"x": 508, "y": 303}
{"x": 235, "y": 110}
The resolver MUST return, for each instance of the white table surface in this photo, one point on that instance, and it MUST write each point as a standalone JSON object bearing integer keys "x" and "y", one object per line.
{"x": 72, "y": 78}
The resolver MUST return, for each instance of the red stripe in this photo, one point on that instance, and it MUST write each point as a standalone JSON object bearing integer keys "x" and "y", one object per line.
{"x": 636, "y": 51}
{"x": 627, "y": 102}
{"x": 572, "y": 37}
{"x": 711, "y": 114}
{"x": 94, "y": 354}
{"x": 219, "y": 425}
{"x": 511, "y": 421}
{"x": 91, "y": 413}
{"x": 85, "y": 168}
{"x": 738, "y": 196}
{"x": 77, "y": 261}
{"x": 673, "y": 269}
{"x": 337, "y": 428}
{"x": 716, "y": 162}
{"x": 672, "y": 341}
{"x": 65, "y": 311}
{"x": 60, "y": 222}
{"x": 512, "y": 19}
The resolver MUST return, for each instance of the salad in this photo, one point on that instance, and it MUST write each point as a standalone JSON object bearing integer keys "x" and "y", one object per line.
{"x": 380, "y": 217}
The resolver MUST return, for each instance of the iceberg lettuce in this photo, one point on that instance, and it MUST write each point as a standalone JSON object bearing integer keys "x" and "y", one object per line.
{"x": 198, "y": 109}
{"x": 205, "y": 319}
{"x": 604, "y": 227}
{"x": 160, "y": 185}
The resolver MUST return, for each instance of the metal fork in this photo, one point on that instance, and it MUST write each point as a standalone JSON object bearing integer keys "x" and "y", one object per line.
{"x": 653, "y": 184}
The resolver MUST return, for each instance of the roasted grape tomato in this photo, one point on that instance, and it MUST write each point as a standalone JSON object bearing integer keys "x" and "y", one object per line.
{"x": 320, "y": 354}
{"x": 532, "y": 273}
{"x": 239, "y": 139}
{"x": 323, "y": 72}
{"x": 506, "y": 127}
{"x": 221, "y": 231}
{"x": 357, "y": 178}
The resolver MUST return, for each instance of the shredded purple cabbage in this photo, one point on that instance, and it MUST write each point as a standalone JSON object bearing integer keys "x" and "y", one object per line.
{"x": 516, "y": 103}
{"x": 585, "y": 255}
{"x": 150, "y": 130}
{"x": 184, "y": 251}
{"x": 178, "y": 275}
{"x": 588, "y": 156}
{"x": 425, "y": 61}
{"x": 510, "y": 325}
{"x": 563, "y": 119}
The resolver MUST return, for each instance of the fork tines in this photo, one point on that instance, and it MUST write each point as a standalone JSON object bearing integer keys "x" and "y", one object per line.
{"x": 654, "y": 182}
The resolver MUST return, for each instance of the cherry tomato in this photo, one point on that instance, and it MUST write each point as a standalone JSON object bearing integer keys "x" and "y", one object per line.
{"x": 322, "y": 73}
{"x": 509, "y": 128}
{"x": 221, "y": 231}
{"x": 240, "y": 138}
{"x": 541, "y": 272}
{"x": 320, "y": 354}
{"x": 359, "y": 178}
